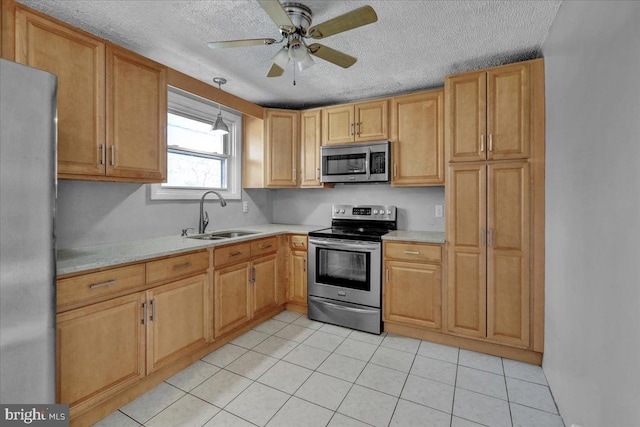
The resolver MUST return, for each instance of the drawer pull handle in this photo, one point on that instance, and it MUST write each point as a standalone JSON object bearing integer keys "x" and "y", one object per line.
{"x": 181, "y": 266}
{"x": 298, "y": 243}
{"x": 412, "y": 252}
{"x": 265, "y": 246}
{"x": 235, "y": 253}
{"x": 100, "y": 285}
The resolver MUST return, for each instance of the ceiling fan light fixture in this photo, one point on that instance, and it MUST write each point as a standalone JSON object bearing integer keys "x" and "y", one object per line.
{"x": 219, "y": 127}
{"x": 306, "y": 62}
{"x": 281, "y": 58}
{"x": 297, "y": 51}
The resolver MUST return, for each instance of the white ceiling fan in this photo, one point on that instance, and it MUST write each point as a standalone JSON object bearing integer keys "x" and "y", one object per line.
{"x": 293, "y": 20}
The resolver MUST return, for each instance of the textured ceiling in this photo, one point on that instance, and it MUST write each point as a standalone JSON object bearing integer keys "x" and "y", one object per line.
{"x": 413, "y": 46}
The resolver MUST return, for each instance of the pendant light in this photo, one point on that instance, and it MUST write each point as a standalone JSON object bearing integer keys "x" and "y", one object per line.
{"x": 219, "y": 127}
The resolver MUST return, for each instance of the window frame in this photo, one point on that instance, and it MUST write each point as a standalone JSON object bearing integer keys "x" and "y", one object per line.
{"x": 194, "y": 107}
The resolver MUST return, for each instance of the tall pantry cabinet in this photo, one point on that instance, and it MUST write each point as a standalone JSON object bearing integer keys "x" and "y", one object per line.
{"x": 494, "y": 136}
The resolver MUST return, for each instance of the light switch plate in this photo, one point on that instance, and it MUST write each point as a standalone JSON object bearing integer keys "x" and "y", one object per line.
{"x": 245, "y": 207}
{"x": 439, "y": 211}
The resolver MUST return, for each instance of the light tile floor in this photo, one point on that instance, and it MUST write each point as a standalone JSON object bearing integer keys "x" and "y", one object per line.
{"x": 292, "y": 371}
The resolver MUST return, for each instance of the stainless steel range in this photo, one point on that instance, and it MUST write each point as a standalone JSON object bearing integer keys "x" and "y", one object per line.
{"x": 345, "y": 267}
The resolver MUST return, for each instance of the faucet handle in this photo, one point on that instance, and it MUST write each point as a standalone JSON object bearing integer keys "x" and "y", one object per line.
{"x": 205, "y": 221}
{"x": 185, "y": 231}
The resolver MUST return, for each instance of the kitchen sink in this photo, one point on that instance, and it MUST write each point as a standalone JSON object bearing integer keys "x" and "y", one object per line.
{"x": 219, "y": 235}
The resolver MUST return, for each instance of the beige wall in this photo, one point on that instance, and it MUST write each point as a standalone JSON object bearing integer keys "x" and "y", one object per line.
{"x": 592, "y": 333}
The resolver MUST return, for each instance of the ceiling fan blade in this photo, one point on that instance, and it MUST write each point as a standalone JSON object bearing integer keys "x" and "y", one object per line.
{"x": 240, "y": 43}
{"x": 354, "y": 19}
{"x": 275, "y": 71}
{"x": 277, "y": 14}
{"x": 332, "y": 55}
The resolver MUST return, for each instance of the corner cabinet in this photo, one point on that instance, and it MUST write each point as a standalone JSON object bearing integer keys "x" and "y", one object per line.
{"x": 310, "y": 141}
{"x": 417, "y": 139}
{"x": 281, "y": 148}
{"x": 112, "y": 103}
{"x": 361, "y": 122}
{"x": 298, "y": 271}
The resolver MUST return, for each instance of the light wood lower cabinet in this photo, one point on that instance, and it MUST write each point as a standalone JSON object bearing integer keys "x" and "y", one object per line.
{"x": 100, "y": 350}
{"x": 178, "y": 320}
{"x": 413, "y": 285}
{"x": 232, "y": 297}
{"x": 298, "y": 277}
{"x": 244, "y": 289}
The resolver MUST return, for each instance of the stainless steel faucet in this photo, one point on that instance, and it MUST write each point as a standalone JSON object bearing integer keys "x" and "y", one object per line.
{"x": 204, "y": 216}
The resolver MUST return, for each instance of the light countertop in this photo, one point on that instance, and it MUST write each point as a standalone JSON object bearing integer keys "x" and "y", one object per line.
{"x": 416, "y": 236}
{"x": 93, "y": 257}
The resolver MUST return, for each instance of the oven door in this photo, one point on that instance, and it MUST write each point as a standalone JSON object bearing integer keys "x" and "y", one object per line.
{"x": 345, "y": 270}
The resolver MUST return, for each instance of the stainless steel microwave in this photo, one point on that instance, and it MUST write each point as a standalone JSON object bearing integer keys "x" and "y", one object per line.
{"x": 368, "y": 162}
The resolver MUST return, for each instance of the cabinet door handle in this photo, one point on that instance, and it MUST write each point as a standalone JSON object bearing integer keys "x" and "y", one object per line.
{"x": 304, "y": 265}
{"x": 490, "y": 142}
{"x": 359, "y": 123}
{"x": 144, "y": 312}
{"x": 181, "y": 266}
{"x": 387, "y": 276}
{"x": 482, "y": 234}
{"x": 318, "y": 174}
{"x": 99, "y": 285}
{"x": 412, "y": 252}
{"x": 265, "y": 246}
{"x": 153, "y": 310}
{"x": 235, "y": 253}
{"x": 491, "y": 237}
{"x": 102, "y": 154}
{"x": 482, "y": 143}
{"x": 113, "y": 155}
{"x": 353, "y": 125}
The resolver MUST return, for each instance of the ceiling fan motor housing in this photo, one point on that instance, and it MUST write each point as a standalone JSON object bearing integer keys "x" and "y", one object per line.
{"x": 300, "y": 15}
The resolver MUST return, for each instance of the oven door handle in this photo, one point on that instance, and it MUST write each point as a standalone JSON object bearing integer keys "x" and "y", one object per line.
{"x": 337, "y": 245}
{"x": 343, "y": 308}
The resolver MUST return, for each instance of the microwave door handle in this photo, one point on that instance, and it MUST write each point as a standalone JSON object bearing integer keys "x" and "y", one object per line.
{"x": 367, "y": 162}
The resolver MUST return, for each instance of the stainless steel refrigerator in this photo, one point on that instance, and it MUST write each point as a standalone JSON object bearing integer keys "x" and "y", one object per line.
{"x": 27, "y": 242}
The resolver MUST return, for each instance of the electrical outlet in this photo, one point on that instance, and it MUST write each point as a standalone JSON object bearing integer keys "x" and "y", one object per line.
{"x": 438, "y": 211}
{"x": 245, "y": 207}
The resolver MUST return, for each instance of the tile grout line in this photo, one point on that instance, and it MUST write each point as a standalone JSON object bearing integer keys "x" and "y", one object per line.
{"x": 455, "y": 387}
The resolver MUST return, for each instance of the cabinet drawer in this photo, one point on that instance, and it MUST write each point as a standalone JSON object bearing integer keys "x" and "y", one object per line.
{"x": 178, "y": 266}
{"x": 298, "y": 243}
{"x": 95, "y": 285}
{"x": 413, "y": 251}
{"x": 264, "y": 246}
{"x": 231, "y": 254}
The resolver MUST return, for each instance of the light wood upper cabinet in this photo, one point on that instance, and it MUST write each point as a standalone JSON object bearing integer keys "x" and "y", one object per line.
{"x": 310, "y": 141}
{"x": 489, "y": 113}
{"x": 178, "y": 320}
{"x": 489, "y": 257}
{"x": 136, "y": 116}
{"x": 79, "y": 62}
{"x": 100, "y": 350}
{"x": 112, "y": 103}
{"x": 417, "y": 135}
{"x": 361, "y": 122}
{"x": 281, "y": 148}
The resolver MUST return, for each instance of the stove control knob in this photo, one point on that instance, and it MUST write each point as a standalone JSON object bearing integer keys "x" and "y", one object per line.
{"x": 341, "y": 211}
{"x": 375, "y": 212}
{"x": 389, "y": 212}
{"x": 337, "y": 211}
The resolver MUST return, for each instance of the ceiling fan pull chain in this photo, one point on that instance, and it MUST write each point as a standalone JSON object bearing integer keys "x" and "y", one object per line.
{"x": 294, "y": 73}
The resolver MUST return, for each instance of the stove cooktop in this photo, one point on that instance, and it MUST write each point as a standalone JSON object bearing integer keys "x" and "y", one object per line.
{"x": 359, "y": 222}
{"x": 349, "y": 233}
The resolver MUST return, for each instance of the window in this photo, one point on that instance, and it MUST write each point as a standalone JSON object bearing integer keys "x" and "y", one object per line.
{"x": 197, "y": 160}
